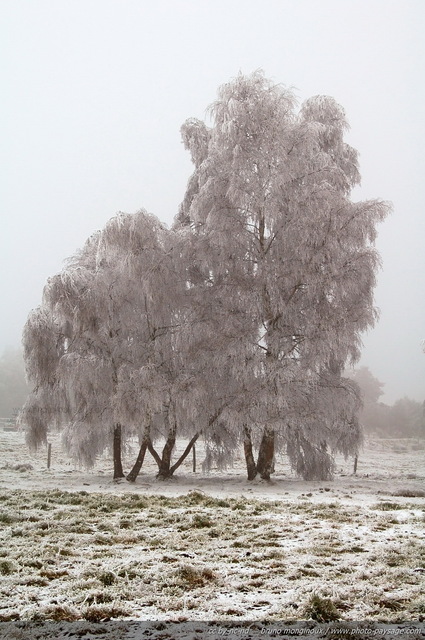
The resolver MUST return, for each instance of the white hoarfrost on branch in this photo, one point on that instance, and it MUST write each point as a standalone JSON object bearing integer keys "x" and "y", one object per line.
{"x": 101, "y": 350}
{"x": 235, "y": 324}
{"x": 282, "y": 266}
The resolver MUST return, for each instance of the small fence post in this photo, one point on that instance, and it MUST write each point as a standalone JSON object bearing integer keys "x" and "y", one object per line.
{"x": 194, "y": 459}
{"x": 49, "y": 454}
{"x": 355, "y": 464}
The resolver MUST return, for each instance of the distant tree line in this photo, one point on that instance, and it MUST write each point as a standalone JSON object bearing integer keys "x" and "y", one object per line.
{"x": 236, "y": 324}
{"x": 404, "y": 419}
{"x": 14, "y": 388}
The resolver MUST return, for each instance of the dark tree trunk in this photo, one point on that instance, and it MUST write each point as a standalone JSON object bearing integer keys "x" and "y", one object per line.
{"x": 265, "y": 461}
{"x": 131, "y": 477}
{"x": 164, "y": 468}
{"x": 153, "y": 453}
{"x": 141, "y": 456}
{"x": 251, "y": 467}
{"x": 185, "y": 453}
{"x": 164, "y": 461}
{"x": 118, "y": 470}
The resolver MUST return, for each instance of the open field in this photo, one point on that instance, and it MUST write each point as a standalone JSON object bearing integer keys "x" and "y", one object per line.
{"x": 75, "y": 545}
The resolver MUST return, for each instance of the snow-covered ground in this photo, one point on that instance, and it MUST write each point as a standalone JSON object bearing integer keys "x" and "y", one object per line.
{"x": 76, "y": 546}
{"x": 384, "y": 467}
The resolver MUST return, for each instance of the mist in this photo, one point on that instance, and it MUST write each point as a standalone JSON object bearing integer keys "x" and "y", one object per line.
{"x": 95, "y": 94}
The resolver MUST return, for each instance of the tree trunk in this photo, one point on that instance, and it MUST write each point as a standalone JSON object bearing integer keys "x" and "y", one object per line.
{"x": 185, "y": 453}
{"x": 251, "y": 467}
{"x": 118, "y": 470}
{"x": 153, "y": 453}
{"x": 265, "y": 461}
{"x": 164, "y": 461}
{"x": 131, "y": 477}
{"x": 164, "y": 468}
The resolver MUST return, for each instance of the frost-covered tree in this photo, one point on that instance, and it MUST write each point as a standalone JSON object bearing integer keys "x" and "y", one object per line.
{"x": 107, "y": 352}
{"x": 151, "y": 295}
{"x": 371, "y": 388}
{"x": 238, "y": 322}
{"x": 403, "y": 419}
{"x": 99, "y": 349}
{"x": 406, "y": 419}
{"x": 325, "y": 422}
{"x": 373, "y": 414}
{"x": 73, "y": 353}
{"x": 281, "y": 260}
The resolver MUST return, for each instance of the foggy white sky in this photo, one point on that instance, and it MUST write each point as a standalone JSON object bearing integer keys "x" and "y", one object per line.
{"x": 94, "y": 93}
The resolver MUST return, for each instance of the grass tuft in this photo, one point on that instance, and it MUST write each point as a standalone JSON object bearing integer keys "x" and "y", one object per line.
{"x": 321, "y": 609}
{"x": 192, "y": 577}
{"x": 102, "y": 613}
{"x": 58, "y": 613}
{"x": 6, "y": 567}
{"x": 6, "y": 518}
{"x": 200, "y": 521}
{"x": 409, "y": 493}
{"x": 107, "y": 578}
{"x": 388, "y": 506}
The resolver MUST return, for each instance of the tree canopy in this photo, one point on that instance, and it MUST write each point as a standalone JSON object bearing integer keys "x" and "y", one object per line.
{"x": 238, "y": 322}
{"x": 282, "y": 259}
